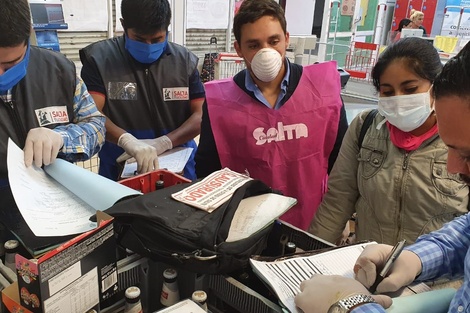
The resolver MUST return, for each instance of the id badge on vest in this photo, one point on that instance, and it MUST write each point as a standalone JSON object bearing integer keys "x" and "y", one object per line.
{"x": 176, "y": 94}
{"x": 52, "y": 115}
{"x": 122, "y": 91}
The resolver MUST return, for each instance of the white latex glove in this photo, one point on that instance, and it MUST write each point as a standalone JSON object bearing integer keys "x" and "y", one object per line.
{"x": 404, "y": 271}
{"x": 42, "y": 146}
{"x": 162, "y": 143}
{"x": 144, "y": 154}
{"x": 321, "y": 291}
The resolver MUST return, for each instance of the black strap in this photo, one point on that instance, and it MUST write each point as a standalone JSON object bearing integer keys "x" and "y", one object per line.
{"x": 365, "y": 126}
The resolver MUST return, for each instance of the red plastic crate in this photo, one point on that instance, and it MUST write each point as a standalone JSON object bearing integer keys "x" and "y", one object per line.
{"x": 145, "y": 183}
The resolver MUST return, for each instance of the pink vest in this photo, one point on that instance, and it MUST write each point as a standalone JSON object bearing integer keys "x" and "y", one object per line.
{"x": 288, "y": 148}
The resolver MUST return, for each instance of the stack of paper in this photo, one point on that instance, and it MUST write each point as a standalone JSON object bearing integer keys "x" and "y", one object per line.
{"x": 255, "y": 213}
{"x": 185, "y": 306}
{"x": 60, "y": 199}
{"x": 173, "y": 160}
{"x": 285, "y": 275}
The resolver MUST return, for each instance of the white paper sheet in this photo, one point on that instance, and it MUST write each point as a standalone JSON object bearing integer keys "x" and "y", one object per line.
{"x": 86, "y": 15}
{"x": 207, "y": 14}
{"x": 96, "y": 190}
{"x": 173, "y": 160}
{"x": 185, "y": 306}
{"x": 255, "y": 213}
{"x": 60, "y": 199}
{"x": 285, "y": 276}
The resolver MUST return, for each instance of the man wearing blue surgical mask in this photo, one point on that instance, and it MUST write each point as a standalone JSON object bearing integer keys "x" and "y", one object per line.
{"x": 148, "y": 88}
{"x": 44, "y": 107}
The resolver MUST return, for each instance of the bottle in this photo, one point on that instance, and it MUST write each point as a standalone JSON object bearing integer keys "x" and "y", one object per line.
{"x": 290, "y": 248}
{"x": 11, "y": 248}
{"x": 159, "y": 184}
{"x": 133, "y": 304}
{"x": 200, "y": 297}
{"x": 170, "y": 292}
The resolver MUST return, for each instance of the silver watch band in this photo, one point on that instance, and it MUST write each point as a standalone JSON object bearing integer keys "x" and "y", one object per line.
{"x": 354, "y": 300}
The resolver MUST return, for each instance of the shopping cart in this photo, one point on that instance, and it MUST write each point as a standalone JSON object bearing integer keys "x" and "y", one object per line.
{"x": 361, "y": 59}
{"x": 207, "y": 73}
{"x": 227, "y": 65}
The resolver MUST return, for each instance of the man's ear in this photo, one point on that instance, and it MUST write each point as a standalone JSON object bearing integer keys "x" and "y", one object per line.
{"x": 287, "y": 40}
{"x": 238, "y": 49}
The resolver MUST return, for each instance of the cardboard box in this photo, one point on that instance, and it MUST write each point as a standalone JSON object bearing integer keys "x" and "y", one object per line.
{"x": 74, "y": 277}
{"x": 11, "y": 299}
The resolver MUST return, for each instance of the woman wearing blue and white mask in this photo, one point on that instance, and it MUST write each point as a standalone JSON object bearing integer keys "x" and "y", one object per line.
{"x": 397, "y": 183}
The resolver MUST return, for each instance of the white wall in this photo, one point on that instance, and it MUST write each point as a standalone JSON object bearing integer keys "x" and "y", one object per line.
{"x": 299, "y": 15}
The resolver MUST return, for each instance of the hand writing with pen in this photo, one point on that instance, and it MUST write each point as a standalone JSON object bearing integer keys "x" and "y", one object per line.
{"x": 322, "y": 293}
{"x": 403, "y": 272}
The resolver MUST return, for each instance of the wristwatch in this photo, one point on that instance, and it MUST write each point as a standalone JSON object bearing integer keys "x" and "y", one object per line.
{"x": 347, "y": 304}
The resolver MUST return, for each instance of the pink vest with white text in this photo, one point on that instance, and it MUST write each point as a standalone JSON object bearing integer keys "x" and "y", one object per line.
{"x": 288, "y": 148}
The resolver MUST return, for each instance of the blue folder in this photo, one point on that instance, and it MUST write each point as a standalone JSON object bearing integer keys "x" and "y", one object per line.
{"x": 435, "y": 301}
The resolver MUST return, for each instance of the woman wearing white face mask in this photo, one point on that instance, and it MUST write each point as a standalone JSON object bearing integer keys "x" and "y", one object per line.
{"x": 397, "y": 183}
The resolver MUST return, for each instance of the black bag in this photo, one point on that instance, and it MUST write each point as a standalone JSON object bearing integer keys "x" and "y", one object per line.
{"x": 365, "y": 126}
{"x": 163, "y": 229}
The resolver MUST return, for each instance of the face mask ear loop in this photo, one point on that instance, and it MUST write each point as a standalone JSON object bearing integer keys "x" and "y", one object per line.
{"x": 380, "y": 124}
{"x": 433, "y": 111}
{"x": 433, "y": 100}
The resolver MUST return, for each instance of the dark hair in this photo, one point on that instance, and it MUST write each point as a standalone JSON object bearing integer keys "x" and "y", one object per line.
{"x": 15, "y": 22}
{"x": 146, "y": 16}
{"x": 455, "y": 76}
{"x": 420, "y": 56}
{"x": 252, "y": 10}
{"x": 404, "y": 22}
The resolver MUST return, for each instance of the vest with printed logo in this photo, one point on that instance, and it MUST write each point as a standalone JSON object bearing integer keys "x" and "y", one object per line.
{"x": 288, "y": 148}
{"x": 147, "y": 100}
{"x": 44, "y": 97}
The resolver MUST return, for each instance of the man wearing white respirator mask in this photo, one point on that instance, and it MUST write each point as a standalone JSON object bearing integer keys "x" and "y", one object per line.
{"x": 396, "y": 183}
{"x": 280, "y": 122}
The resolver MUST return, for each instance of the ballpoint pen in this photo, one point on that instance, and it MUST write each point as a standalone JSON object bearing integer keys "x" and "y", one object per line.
{"x": 394, "y": 254}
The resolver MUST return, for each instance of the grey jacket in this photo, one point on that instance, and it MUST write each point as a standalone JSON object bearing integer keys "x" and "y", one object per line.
{"x": 50, "y": 81}
{"x": 396, "y": 195}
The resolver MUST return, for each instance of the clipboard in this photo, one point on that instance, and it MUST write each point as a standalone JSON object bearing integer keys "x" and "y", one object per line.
{"x": 304, "y": 253}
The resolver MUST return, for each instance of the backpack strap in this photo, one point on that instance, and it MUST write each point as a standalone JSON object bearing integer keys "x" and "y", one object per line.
{"x": 365, "y": 126}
